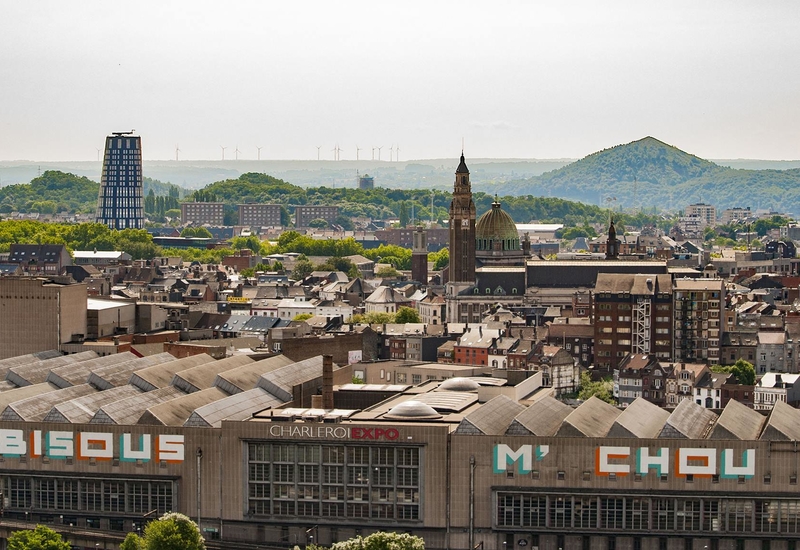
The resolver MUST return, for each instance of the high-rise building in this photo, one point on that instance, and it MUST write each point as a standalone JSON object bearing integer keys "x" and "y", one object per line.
{"x": 120, "y": 203}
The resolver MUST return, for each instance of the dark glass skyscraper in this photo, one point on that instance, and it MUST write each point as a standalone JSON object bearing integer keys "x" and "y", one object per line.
{"x": 120, "y": 204}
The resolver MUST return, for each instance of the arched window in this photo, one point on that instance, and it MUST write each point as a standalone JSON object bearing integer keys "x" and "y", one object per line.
{"x": 514, "y": 290}
{"x": 488, "y": 291}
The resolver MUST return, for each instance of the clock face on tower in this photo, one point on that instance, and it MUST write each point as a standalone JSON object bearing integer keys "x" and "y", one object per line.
{"x": 465, "y": 223}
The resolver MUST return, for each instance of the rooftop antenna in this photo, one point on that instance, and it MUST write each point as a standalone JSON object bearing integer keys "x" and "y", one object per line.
{"x": 318, "y": 148}
{"x": 259, "y": 151}
{"x": 357, "y": 150}
{"x": 176, "y": 152}
{"x": 236, "y": 152}
{"x": 223, "y": 152}
{"x": 391, "y": 153}
{"x": 379, "y": 151}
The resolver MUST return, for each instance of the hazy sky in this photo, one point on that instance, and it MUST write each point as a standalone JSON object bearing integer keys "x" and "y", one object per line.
{"x": 527, "y": 79}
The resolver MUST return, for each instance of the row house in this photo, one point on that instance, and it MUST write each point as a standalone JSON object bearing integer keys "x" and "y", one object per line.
{"x": 432, "y": 309}
{"x": 773, "y": 387}
{"x": 558, "y": 369}
{"x": 708, "y": 390}
{"x": 682, "y": 381}
{"x": 739, "y": 344}
{"x": 632, "y": 315}
{"x": 575, "y": 336}
{"x": 472, "y": 347}
{"x": 641, "y": 376}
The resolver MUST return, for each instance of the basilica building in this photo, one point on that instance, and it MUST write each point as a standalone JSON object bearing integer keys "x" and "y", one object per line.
{"x": 487, "y": 257}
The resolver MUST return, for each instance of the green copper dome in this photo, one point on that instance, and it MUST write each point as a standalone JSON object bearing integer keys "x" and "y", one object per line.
{"x": 496, "y": 231}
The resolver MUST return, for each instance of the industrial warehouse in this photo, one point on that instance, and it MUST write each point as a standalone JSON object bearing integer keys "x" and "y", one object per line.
{"x": 278, "y": 453}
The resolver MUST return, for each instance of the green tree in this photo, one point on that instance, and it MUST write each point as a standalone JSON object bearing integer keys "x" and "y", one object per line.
{"x": 318, "y": 223}
{"x": 198, "y": 232}
{"x": 132, "y": 542}
{"x": 407, "y": 315}
{"x": 744, "y": 371}
{"x": 302, "y": 269}
{"x": 40, "y": 538}
{"x": 440, "y": 259}
{"x": 403, "y": 214}
{"x": 601, "y": 390}
{"x": 382, "y": 541}
{"x": 173, "y": 531}
{"x": 387, "y": 272}
{"x": 302, "y": 317}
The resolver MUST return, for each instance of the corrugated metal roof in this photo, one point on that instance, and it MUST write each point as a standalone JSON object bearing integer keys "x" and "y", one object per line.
{"x": 641, "y": 419}
{"x": 78, "y": 373}
{"x": 235, "y": 407}
{"x": 128, "y": 411}
{"x": 593, "y": 418}
{"x": 783, "y": 423}
{"x": 176, "y": 412}
{"x": 111, "y": 376}
{"x": 493, "y": 418}
{"x": 688, "y": 421}
{"x": 36, "y": 373}
{"x": 543, "y": 418}
{"x": 247, "y": 377}
{"x": 202, "y": 376}
{"x": 9, "y": 362}
{"x": 161, "y": 375}
{"x": 34, "y": 409}
{"x": 738, "y": 421}
{"x": 280, "y": 382}
{"x": 81, "y": 409}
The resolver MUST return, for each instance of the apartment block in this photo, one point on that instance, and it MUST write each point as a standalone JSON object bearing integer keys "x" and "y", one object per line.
{"x": 698, "y": 310}
{"x": 202, "y": 213}
{"x": 260, "y": 215}
{"x": 303, "y": 215}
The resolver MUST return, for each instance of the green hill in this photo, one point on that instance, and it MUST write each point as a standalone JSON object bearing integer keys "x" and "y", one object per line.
{"x": 648, "y": 173}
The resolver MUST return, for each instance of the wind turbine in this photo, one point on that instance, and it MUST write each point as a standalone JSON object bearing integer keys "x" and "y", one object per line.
{"x": 318, "y": 148}
{"x": 397, "y": 153}
{"x": 373, "y": 152}
{"x": 379, "y": 151}
{"x": 236, "y": 152}
{"x": 223, "y": 152}
{"x": 98, "y": 154}
{"x": 391, "y": 153}
{"x": 176, "y": 152}
{"x": 357, "y": 150}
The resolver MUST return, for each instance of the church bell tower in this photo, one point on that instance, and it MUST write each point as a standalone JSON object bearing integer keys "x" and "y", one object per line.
{"x": 462, "y": 228}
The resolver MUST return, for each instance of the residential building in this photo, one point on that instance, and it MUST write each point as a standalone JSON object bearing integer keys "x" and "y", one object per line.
{"x": 305, "y": 214}
{"x": 576, "y": 336}
{"x": 730, "y": 215}
{"x": 385, "y": 299}
{"x": 773, "y": 387}
{"x": 203, "y": 213}
{"x": 771, "y": 352}
{"x": 641, "y": 376}
{"x": 101, "y": 257}
{"x": 40, "y": 259}
{"x": 260, "y": 215}
{"x": 681, "y": 381}
{"x": 120, "y": 204}
{"x": 698, "y": 310}
{"x": 706, "y": 212}
{"x": 558, "y": 369}
{"x": 473, "y": 347}
{"x": 633, "y": 314}
{"x": 708, "y": 390}
{"x": 432, "y": 309}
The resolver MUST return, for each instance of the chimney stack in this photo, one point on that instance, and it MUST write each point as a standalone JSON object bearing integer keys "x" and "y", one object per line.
{"x": 327, "y": 382}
